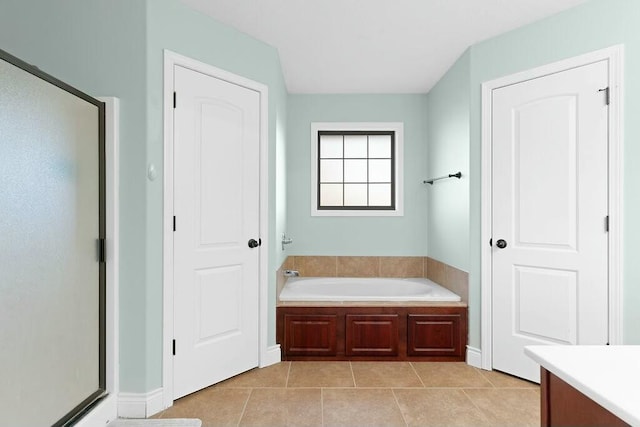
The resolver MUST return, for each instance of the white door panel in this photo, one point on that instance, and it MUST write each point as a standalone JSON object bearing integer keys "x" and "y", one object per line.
{"x": 548, "y": 151}
{"x": 219, "y": 303}
{"x": 549, "y": 205}
{"x": 216, "y": 204}
{"x": 220, "y": 175}
{"x": 555, "y": 290}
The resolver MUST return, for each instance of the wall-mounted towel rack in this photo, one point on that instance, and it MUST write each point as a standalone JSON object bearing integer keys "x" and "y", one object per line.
{"x": 451, "y": 175}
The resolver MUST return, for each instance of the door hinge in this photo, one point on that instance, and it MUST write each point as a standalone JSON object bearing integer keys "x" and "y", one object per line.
{"x": 174, "y": 100}
{"x": 606, "y": 223}
{"x": 102, "y": 250}
{"x": 174, "y": 223}
{"x": 607, "y": 94}
{"x": 174, "y": 347}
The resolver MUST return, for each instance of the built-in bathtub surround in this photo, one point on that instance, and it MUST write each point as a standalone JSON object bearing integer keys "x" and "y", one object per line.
{"x": 405, "y": 267}
{"x": 450, "y": 277}
{"x": 357, "y": 318}
{"x": 358, "y": 266}
{"x": 443, "y": 274}
{"x": 281, "y": 279}
{"x": 375, "y": 331}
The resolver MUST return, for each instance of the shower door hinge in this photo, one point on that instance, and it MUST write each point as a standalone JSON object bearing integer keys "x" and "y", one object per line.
{"x": 174, "y": 99}
{"x": 174, "y": 223}
{"x": 174, "y": 347}
{"x": 606, "y": 223}
{"x": 607, "y": 95}
{"x": 102, "y": 250}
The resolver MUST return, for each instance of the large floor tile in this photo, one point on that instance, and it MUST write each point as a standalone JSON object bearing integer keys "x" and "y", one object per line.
{"x": 507, "y": 407}
{"x": 450, "y": 374}
{"x": 320, "y": 374}
{"x": 271, "y": 376}
{"x": 439, "y": 407}
{"x": 214, "y": 406}
{"x": 385, "y": 374}
{"x": 360, "y": 407}
{"x": 281, "y": 407}
{"x": 501, "y": 380}
{"x": 364, "y": 394}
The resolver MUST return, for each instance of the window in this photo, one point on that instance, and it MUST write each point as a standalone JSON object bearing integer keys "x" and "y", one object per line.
{"x": 356, "y": 169}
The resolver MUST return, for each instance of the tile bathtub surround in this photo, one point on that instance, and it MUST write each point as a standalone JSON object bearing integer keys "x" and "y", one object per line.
{"x": 316, "y": 266}
{"x": 402, "y": 266}
{"x": 364, "y": 394}
{"x": 281, "y": 279}
{"x": 450, "y": 277}
{"x": 357, "y": 266}
{"x": 372, "y": 266}
{"x": 435, "y": 271}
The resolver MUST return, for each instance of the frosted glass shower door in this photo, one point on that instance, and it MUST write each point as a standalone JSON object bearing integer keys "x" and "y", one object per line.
{"x": 50, "y": 289}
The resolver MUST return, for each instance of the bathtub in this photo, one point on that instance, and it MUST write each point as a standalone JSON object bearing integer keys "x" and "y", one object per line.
{"x": 370, "y": 319}
{"x": 338, "y": 289}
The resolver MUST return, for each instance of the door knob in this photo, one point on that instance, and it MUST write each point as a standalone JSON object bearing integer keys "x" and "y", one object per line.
{"x": 253, "y": 243}
{"x": 501, "y": 243}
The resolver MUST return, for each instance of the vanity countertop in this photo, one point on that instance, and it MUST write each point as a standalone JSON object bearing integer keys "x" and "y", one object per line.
{"x": 608, "y": 375}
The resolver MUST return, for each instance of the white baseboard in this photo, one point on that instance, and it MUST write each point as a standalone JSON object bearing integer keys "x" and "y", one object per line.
{"x": 271, "y": 357}
{"x": 474, "y": 357}
{"x": 140, "y": 405}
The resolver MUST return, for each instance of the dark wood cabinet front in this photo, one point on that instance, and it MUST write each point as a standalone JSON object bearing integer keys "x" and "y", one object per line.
{"x": 372, "y": 335}
{"x": 563, "y": 405}
{"x": 435, "y": 335}
{"x": 311, "y": 335}
{"x": 430, "y": 333}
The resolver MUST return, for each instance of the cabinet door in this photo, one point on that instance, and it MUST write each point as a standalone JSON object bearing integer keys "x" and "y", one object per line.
{"x": 435, "y": 335}
{"x": 310, "y": 335}
{"x": 372, "y": 335}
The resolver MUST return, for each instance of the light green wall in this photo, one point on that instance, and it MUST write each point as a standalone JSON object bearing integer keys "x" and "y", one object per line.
{"x": 99, "y": 47}
{"x": 114, "y": 48}
{"x": 404, "y": 235}
{"x": 448, "y": 152}
{"x": 596, "y": 24}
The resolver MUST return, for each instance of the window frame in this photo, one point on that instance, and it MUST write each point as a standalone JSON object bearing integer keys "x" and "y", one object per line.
{"x": 397, "y": 128}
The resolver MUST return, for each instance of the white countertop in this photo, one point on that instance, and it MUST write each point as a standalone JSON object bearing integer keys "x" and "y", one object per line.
{"x": 609, "y": 375}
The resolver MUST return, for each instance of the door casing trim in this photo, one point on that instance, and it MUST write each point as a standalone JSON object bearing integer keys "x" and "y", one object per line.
{"x": 171, "y": 59}
{"x": 615, "y": 57}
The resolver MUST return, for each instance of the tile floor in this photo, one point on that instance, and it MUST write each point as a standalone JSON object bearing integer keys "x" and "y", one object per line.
{"x": 364, "y": 394}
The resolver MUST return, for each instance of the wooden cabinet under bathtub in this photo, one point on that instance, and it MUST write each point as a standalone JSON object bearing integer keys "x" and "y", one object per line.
{"x": 428, "y": 333}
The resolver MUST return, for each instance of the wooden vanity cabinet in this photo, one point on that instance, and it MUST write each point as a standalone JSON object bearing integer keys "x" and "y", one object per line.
{"x": 563, "y": 405}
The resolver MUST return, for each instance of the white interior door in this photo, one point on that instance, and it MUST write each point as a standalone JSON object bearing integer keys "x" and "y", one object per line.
{"x": 216, "y": 206}
{"x": 550, "y": 208}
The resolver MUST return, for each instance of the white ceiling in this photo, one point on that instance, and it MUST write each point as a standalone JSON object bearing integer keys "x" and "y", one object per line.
{"x": 373, "y": 46}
